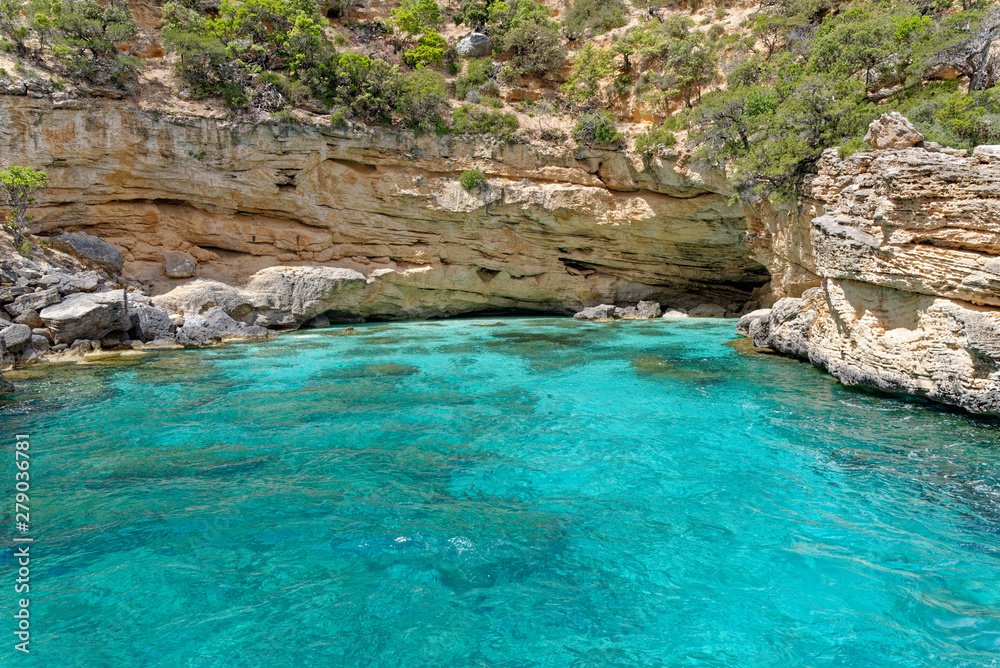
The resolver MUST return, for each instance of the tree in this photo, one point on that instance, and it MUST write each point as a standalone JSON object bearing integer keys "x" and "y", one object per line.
{"x": 19, "y": 187}
{"x": 673, "y": 58}
{"x": 424, "y": 94}
{"x": 12, "y": 24}
{"x": 588, "y": 18}
{"x": 414, "y": 17}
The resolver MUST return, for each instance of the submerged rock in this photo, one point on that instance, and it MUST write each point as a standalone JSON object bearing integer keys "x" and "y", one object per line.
{"x": 708, "y": 311}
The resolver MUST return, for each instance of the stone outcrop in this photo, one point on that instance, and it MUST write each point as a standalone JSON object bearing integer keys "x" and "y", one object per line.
{"x": 889, "y": 273}
{"x": 86, "y": 315}
{"x": 91, "y": 248}
{"x": 892, "y": 130}
{"x": 558, "y": 229}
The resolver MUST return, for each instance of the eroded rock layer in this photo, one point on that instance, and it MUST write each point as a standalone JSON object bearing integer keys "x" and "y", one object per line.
{"x": 890, "y": 269}
{"x": 554, "y": 230}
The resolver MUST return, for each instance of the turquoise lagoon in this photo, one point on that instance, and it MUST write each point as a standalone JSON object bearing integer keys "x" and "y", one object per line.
{"x": 541, "y": 492}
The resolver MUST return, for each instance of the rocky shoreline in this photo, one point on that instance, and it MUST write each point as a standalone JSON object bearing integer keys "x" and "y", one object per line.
{"x": 895, "y": 255}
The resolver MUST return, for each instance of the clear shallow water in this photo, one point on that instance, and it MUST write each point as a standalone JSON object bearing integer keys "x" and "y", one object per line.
{"x": 543, "y": 493}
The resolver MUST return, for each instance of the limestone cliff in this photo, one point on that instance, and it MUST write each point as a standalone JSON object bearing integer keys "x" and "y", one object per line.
{"x": 555, "y": 229}
{"x": 890, "y": 269}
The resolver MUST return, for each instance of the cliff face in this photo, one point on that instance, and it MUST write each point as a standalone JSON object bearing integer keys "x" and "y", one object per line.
{"x": 554, "y": 230}
{"x": 891, "y": 269}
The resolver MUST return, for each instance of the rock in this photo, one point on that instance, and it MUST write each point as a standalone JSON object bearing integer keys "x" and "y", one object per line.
{"x": 39, "y": 343}
{"x": 59, "y": 347}
{"x": 986, "y": 153}
{"x": 473, "y": 45}
{"x": 91, "y": 248}
{"x": 114, "y": 340}
{"x": 41, "y": 331}
{"x": 179, "y": 265}
{"x": 6, "y": 387}
{"x": 672, "y": 313}
{"x": 217, "y": 326}
{"x": 83, "y": 281}
{"x": 80, "y": 347}
{"x": 33, "y": 301}
{"x": 318, "y": 321}
{"x": 892, "y": 131}
{"x": 707, "y": 311}
{"x": 743, "y": 327}
{"x": 150, "y": 323}
{"x": 644, "y": 310}
{"x": 274, "y": 297}
{"x": 601, "y": 313}
{"x": 893, "y": 341}
{"x": 12, "y": 292}
{"x": 27, "y": 357}
{"x": 31, "y": 319}
{"x": 86, "y": 315}
{"x": 15, "y": 337}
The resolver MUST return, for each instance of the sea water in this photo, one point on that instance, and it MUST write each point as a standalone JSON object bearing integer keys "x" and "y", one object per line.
{"x": 536, "y": 492}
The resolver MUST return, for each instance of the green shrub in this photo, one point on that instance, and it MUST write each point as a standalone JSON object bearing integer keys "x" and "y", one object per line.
{"x": 424, "y": 93}
{"x": 598, "y": 129}
{"x": 852, "y": 146}
{"x": 588, "y": 18}
{"x": 472, "y": 179}
{"x": 590, "y": 66}
{"x": 477, "y": 73}
{"x": 429, "y": 50}
{"x": 414, "y": 17}
{"x": 535, "y": 47}
{"x": 367, "y": 89}
{"x": 472, "y": 120}
{"x": 673, "y": 59}
{"x": 18, "y": 186}
{"x": 89, "y": 40}
{"x": 654, "y": 141}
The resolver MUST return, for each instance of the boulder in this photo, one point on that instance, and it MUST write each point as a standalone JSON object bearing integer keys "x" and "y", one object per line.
{"x": 6, "y": 387}
{"x": 473, "y": 45}
{"x": 751, "y": 320}
{"x": 216, "y": 326}
{"x": 15, "y": 337}
{"x": 892, "y": 130}
{"x": 600, "y": 313}
{"x": 91, "y": 248}
{"x": 33, "y": 301}
{"x": 114, "y": 340}
{"x": 319, "y": 321}
{"x": 150, "y": 323}
{"x": 641, "y": 311}
{"x": 11, "y": 292}
{"x": 708, "y": 311}
{"x": 27, "y": 357}
{"x": 179, "y": 265}
{"x": 86, "y": 316}
{"x": 30, "y": 319}
{"x": 672, "y": 313}
{"x": 40, "y": 331}
{"x": 39, "y": 343}
{"x": 987, "y": 153}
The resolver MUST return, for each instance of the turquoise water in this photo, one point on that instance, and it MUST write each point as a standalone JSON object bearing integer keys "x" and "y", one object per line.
{"x": 540, "y": 493}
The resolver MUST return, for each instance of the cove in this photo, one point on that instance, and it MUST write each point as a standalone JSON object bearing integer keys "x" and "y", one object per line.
{"x": 541, "y": 492}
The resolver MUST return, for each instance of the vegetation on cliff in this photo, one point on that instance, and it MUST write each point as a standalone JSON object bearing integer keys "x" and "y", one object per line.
{"x": 761, "y": 91}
